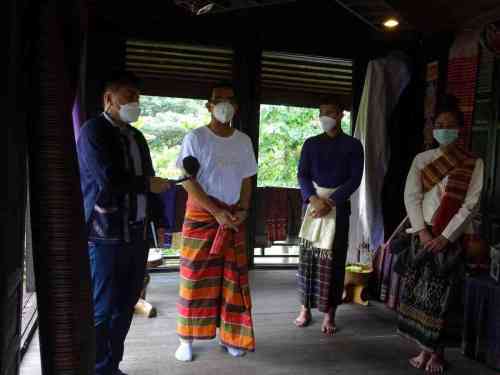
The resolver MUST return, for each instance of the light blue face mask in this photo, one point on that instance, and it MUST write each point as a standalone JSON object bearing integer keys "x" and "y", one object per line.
{"x": 446, "y": 137}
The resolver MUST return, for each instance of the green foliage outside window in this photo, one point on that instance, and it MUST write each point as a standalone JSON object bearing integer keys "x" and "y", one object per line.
{"x": 283, "y": 130}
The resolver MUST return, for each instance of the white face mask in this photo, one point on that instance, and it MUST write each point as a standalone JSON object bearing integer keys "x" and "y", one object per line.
{"x": 224, "y": 112}
{"x": 130, "y": 112}
{"x": 327, "y": 123}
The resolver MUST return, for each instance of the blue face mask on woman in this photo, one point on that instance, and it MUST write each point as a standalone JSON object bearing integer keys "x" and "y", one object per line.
{"x": 446, "y": 137}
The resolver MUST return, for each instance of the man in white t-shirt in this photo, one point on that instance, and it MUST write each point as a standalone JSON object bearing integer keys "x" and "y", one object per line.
{"x": 214, "y": 288}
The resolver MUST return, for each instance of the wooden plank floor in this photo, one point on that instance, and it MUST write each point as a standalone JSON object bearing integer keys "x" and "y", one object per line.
{"x": 366, "y": 343}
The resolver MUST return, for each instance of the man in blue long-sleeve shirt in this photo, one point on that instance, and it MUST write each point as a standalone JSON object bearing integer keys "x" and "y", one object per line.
{"x": 118, "y": 185}
{"x": 330, "y": 171}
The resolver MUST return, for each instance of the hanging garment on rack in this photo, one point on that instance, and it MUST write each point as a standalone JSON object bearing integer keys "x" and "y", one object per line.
{"x": 385, "y": 81}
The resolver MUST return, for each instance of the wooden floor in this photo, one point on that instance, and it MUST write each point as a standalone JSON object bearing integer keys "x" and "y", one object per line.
{"x": 366, "y": 343}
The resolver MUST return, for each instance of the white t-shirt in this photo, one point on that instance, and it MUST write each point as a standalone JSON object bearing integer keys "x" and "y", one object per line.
{"x": 224, "y": 162}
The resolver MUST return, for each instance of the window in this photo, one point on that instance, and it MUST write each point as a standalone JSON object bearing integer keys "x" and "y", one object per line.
{"x": 164, "y": 122}
{"x": 283, "y": 130}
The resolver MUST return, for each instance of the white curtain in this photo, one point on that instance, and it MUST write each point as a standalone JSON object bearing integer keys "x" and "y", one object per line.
{"x": 385, "y": 81}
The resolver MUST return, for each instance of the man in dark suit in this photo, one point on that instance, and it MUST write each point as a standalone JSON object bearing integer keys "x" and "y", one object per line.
{"x": 120, "y": 200}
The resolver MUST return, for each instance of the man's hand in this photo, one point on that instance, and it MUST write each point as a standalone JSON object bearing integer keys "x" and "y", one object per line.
{"x": 240, "y": 216}
{"x": 317, "y": 203}
{"x": 321, "y": 213}
{"x": 320, "y": 207}
{"x": 158, "y": 185}
{"x": 437, "y": 245}
{"x": 226, "y": 220}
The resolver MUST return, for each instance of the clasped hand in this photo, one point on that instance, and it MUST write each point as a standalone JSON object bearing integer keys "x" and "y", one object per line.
{"x": 320, "y": 207}
{"x": 228, "y": 220}
{"x": 433, "y": 244}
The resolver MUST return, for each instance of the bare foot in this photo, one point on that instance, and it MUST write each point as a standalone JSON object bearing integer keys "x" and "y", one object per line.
{"x": 304, "y": 318}
{"x": 421, "y": 360}
{"x": 435, "y": 365}
{"x": 328, "y": 327}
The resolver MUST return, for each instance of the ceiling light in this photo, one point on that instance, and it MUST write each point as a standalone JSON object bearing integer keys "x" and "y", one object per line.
{"x": 391, "y": 23}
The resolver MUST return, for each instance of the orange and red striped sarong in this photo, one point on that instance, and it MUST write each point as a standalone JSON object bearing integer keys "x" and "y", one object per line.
{"x": 214, "y": 289}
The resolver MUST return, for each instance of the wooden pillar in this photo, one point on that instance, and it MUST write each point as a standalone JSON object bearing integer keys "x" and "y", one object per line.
{"x": 67, "y": 343}
{"x": 360, "y": 64}
{"x": 246, "y": 76}
{"x": 13, "y": 209}
{"x": 104, "y": 53}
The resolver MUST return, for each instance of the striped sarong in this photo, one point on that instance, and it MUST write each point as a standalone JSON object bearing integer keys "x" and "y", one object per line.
{"x": 214, "y": 288}
{"x": 314, "y": 278}
{"x": 320, "y": 275}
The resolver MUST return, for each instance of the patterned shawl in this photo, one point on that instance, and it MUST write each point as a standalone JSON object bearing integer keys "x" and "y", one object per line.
{"x": 458, "y": 165}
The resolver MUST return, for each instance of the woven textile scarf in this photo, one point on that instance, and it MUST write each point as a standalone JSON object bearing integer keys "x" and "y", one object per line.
{"x": 458, "y": 165}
